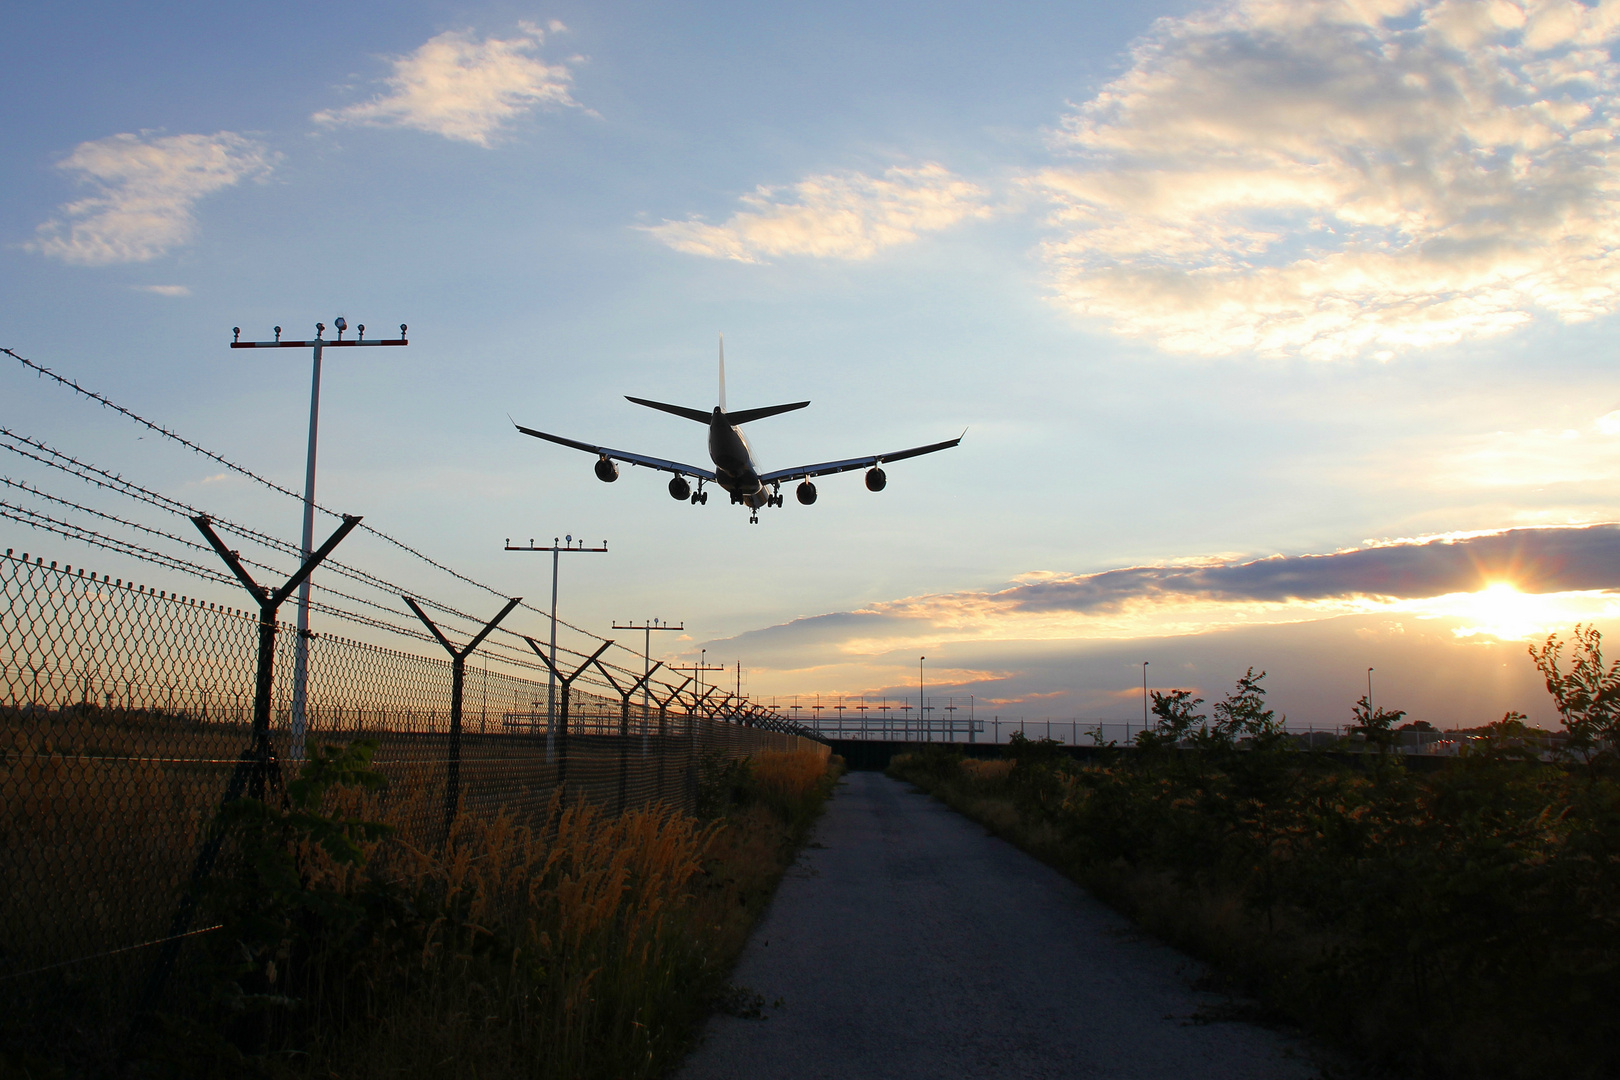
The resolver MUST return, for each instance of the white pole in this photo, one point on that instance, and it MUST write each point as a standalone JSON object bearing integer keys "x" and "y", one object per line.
{"x": 551, "y": 675}
{"x": 301, "y": 645}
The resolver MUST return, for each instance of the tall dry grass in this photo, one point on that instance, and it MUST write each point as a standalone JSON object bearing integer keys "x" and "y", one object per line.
{"x": 558, "y": 950}
{"x": 791, "y": 782}
{"x": 575, "y": 944}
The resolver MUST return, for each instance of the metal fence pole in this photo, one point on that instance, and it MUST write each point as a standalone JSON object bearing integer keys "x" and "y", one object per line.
{"x": 567, "y": 682}
{"x": 458, "y": 670}
{"x": 625, "y": 694}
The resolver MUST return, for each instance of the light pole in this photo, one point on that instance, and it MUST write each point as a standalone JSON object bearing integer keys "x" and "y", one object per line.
{"x": 301, "y": 644}
{"x": 646, "y": 628}
{"x": 1144, "y": 699}
{"x": 557, "y": 548}
{"x": 922, "y": 703}
{"x": 1369, "y": 691}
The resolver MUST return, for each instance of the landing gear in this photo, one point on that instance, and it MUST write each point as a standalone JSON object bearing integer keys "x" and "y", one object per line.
{"x": 698, "y": 496}
{"x": 753, "y": 518}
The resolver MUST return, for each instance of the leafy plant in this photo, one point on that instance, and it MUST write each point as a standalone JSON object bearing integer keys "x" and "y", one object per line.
{"x": 1178, "y": 719}
{"x": 1377, "y": 726}
{"x": 1587, "y": 695}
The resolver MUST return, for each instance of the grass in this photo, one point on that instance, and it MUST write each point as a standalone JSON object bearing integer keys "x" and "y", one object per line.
{"x": 574, "y": 943}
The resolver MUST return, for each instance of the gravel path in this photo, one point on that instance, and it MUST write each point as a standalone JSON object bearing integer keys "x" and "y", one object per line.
{"x": 911, "y": 944}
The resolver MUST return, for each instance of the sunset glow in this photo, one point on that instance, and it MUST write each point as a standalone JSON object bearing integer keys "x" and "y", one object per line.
{"x": 1501, "y": 611}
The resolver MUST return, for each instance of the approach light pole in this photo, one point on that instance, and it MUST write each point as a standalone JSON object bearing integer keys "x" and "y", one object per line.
{"x": 647, "y": 627}
{"x": 1144, "y": 701}
{"x": 557, "y": 548}
{"x": 317, "y": 346}
{"x": 922, "y": 702}
{"x": 1369, "y": 691}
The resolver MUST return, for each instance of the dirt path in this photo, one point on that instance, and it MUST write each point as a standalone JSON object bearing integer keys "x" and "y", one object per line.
{"x": 911, "y": 944}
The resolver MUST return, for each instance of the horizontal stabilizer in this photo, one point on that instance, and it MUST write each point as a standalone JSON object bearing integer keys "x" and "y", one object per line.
{"x": 744, "y": 416}
{"x": 699, "y": 415}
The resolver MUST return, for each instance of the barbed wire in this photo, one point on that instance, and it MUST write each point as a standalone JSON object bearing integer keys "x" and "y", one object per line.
{"x": 508, "y": 655}
{"x": 117, "y": 483}
{"x": 241, "y": 470}
{"x": 192, "y": 544}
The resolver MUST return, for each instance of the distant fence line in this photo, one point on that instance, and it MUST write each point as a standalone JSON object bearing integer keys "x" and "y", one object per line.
{"x": 842, "y": 727}
{"x": 127, "y": 717}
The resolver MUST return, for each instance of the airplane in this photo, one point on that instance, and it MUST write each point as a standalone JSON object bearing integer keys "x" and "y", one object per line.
{"x": 734, "y": 469}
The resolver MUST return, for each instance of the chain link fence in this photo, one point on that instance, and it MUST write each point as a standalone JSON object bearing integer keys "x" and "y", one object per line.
{"x": 127, "y": 718}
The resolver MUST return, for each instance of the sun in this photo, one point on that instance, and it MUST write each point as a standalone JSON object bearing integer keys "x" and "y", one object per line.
{"x": 1503, "y": 612}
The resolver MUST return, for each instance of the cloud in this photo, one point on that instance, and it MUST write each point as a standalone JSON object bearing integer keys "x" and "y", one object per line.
{"x": 145, "y": 189}
{"x": 464, "y": 88}
{"x": 1533, "y": 560}
{"x": 163, "y": 290}
{"x": 834, "y": 215}
{"x": 1335, "y": 177}
{"x": 1557, "y": 575}
{"x": 1430, "y": 612}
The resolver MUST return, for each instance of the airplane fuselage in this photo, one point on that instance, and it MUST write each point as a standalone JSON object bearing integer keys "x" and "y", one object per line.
{"x": 733, "y": 460}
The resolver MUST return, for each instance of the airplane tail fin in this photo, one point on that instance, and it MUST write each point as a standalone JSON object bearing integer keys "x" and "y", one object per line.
{"x": 743, "y": 416}
{"x": 722, "y": 373}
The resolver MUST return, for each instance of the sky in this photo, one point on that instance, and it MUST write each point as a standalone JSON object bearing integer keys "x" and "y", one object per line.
{"x": 1280, "y": 331}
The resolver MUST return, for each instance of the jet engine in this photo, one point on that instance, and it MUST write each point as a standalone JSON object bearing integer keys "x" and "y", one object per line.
{"x": 607, "y": 471}
{"x": 876, "y": 479}
{"x": 679, "y": 488}
{"x": 806, "y": 493}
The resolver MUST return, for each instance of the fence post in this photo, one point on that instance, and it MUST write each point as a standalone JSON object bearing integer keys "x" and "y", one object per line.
{"x": 625, "y": 694}
{"x": 663, "y": 730}
{"x": 258, "y": 762}
{"x": 567, "y": 682}
{"x": 458, "y": 669}
{"x": 262, "y": 757}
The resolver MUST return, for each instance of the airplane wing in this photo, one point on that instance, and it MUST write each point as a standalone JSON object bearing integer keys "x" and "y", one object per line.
{"x": 621, "y": 455}
{"x": 804, "y": 472}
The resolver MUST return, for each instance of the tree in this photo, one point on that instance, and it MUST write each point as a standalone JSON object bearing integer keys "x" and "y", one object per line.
{"x": 1243, "y": 715}
{"x": 1178, "y": 717}
{"x": 1376, "y": 725}
{"x": 1587, "y": 696}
